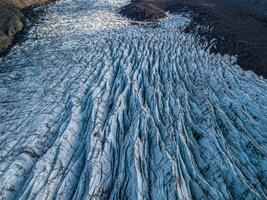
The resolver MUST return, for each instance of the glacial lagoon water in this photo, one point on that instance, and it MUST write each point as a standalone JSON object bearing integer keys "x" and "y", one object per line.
{"x": 93, "y": 107}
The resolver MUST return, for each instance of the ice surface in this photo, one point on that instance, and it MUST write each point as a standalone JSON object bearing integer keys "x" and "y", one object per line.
{"x": 92, "y": 107}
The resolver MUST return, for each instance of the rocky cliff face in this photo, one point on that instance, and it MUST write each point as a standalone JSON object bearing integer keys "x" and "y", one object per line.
{"x": 27, "y": 3}
{"x": 235, "y": 27}
{"x": 10, "y": 23}
{"x": 11, "y": 19}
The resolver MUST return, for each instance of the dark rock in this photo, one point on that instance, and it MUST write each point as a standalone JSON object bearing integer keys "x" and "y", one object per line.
{"x": 239, "y": 27}
{"x": 11, "y": 15}
{"x": 10, "y": 24}
{"x": 236, "y": 32}
{"x": 143, "y": 11}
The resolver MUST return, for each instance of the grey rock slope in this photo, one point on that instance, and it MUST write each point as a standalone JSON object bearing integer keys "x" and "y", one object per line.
{"x": 236, "y": 27}
{"x": 257, "y": 7}
{"x": 11, "y": 22}
{"x": 92, "y": 107}
{"x": 27, "y": 3}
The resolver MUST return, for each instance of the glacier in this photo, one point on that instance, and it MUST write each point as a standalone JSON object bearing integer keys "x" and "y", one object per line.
{"x": 93, "y": 107}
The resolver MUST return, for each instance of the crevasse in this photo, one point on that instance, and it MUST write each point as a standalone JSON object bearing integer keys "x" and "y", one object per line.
{"x": 92, "y": 107}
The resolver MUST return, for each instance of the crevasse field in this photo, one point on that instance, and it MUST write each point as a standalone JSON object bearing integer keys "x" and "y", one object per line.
{"x": 92, "y": 107}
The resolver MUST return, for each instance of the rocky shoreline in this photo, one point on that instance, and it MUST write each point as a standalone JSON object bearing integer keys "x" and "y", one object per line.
{"x": 236, "y": 30}
{"x": 11, "y": 19}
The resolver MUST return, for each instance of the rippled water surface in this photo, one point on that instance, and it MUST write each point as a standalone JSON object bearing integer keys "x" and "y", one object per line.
{"x": 92, "y": 107}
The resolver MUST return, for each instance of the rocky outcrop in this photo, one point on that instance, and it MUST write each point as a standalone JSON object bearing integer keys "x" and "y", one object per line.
{"x": 143, "y": 11}
{"x": 28, "y": 3}
{"x": 231, "y": 27}
{"x": 10, "y": 24}
{"x": 234, "y": 32}
{"x": 92, "y": 107}
{"x": 11, "y": 19}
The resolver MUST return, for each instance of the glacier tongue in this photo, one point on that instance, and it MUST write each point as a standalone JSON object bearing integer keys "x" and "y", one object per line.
{"x": 92, "y": 107}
